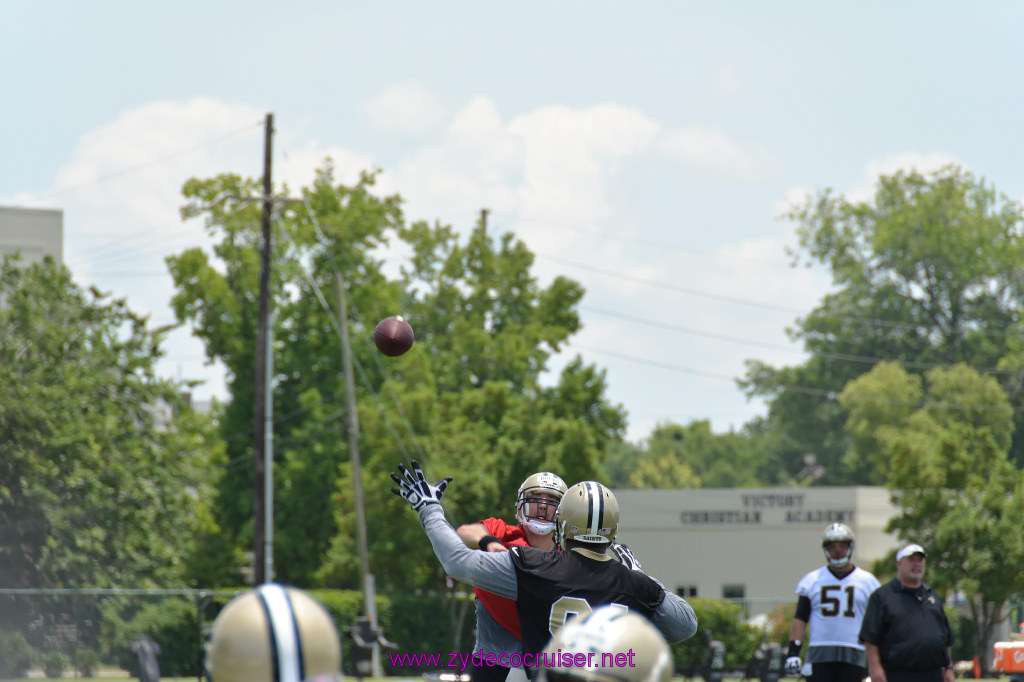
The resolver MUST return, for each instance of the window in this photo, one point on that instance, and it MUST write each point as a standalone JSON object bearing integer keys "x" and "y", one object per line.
{"x": 737, "y": 594}
{"x": 733, "y": 591}
{"x": 687, "y": 591}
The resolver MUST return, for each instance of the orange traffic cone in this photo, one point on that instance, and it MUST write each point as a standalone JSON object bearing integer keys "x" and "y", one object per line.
{"x": 977, "y": 668}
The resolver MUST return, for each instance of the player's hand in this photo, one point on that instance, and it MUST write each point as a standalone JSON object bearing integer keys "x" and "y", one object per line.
{"x": 496, "y": 547}
{"x": 626, "y": 556}
{"x": 793, "y": 665}
{"x": 414, "y": 489}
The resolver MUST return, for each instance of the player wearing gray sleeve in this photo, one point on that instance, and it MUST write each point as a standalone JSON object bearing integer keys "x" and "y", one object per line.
{"x": 550, "y": 586}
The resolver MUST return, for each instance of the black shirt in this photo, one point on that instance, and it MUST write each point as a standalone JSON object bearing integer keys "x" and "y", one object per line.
{"x": 909, "y": 627}
{"x": 554, "y": 585}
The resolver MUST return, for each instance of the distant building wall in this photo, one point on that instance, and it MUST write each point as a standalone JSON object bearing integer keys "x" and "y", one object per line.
{"x": 748, "y": 544}
{"x": 36, "y": 233}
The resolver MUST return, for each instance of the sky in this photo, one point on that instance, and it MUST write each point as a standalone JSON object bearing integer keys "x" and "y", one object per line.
{"x": 645, "y": 149}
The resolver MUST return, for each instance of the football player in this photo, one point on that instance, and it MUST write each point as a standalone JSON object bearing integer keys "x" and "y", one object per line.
{"x": 617, "y": 646}
{"x": 831, "y": 601}
{"x": 550, "y": 587}
{"x": 274, "y": 634}
{"x": 497, "y": 624}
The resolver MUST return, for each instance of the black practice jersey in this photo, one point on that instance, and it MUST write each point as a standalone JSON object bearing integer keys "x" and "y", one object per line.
{"x": 552, "y": 586}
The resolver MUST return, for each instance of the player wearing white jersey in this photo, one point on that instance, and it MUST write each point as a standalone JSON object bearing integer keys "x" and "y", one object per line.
{"x": 831, "y": 602}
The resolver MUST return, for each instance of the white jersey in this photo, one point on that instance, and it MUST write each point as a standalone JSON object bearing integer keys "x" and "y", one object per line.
{"x": 837, "y": 609}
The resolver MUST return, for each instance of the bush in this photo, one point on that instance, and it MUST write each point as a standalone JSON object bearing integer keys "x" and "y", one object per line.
{"x": 963, "y": 636}
{"x": 85, "y": 661}
{"x": 53, "y": 664}
{"x": 171, "y": 623}
{"x": 417, "y": 623}
{"x": 16, "y": 655}
{"x": 721, "y": 621}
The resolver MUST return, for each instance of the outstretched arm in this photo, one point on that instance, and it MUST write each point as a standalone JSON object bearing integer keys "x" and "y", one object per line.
{"x": 675, "y": 618}
{"x": 492, "y": 571}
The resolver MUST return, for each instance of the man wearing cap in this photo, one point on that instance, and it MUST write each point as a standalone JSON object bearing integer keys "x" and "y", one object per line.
{"x": 905, "y": 631}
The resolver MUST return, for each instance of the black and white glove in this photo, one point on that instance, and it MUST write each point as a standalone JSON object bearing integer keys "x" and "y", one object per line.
{"x": 793, "y": 665}
{"x": 414, "y": 489}
{"x": 625, "y": 556}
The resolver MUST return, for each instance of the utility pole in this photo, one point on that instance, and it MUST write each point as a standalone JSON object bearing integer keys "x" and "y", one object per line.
{"x": 263, "y": 531}
{"x": 369, "y": 589}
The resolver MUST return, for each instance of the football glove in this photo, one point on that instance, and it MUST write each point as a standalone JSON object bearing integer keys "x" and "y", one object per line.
{"x": 414, "y": 489}
{"x": 793, "y": 664}
{"x": 626, "y": 557}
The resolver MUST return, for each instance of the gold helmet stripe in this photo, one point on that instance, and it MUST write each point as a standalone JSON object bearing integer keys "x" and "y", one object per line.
{"x": 286, "y": 653}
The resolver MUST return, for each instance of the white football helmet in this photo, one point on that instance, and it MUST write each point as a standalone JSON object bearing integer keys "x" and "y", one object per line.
{"x": 528, "y": 509}
{"x": 625, "y": 648}
{"x": 273, "y": 634}
{"x": 837, "y": 532}
{"x": 587, "y": 513}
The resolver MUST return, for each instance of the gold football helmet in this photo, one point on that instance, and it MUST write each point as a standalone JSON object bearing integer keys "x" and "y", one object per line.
{"x": 589, "y": 513}
{"x": 273, "y": 634}
{"x": 533, "y": 512}
{"x": 619, "y": 646}
{"x": 837, "y": 532}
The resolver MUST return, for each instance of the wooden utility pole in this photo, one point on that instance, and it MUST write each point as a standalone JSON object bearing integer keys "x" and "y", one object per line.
{"x": 352, "y": 424}
{"x": 262, "y": 530}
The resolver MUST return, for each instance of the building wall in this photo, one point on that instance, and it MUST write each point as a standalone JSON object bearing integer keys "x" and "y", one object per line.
{"x": 753, "y": 544}
{"x": 36, "y": 233}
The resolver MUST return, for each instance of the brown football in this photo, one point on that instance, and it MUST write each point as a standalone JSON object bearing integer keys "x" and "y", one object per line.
{"x": 393, "y": 336}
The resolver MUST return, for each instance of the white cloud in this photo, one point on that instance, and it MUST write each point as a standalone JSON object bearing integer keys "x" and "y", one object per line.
{"x": 121, "y": 192}
{"x": 793, "y": 198}
{"x": 715, "y": 150}
{"x": 406, "y": 108}
{"x": 550, "y": 175}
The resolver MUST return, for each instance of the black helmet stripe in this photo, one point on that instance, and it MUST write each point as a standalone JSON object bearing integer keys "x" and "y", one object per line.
{"x": 283, "y": 630}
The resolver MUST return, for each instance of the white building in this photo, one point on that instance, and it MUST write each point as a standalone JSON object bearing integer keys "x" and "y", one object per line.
{"x": 33, "y": 232}
{"x": 748, "y": 544}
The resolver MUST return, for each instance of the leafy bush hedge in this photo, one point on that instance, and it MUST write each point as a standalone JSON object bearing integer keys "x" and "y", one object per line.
{"x": 16, "y": 654}
{"x": 418, "y": 623}
{"x": 721, "y": 621}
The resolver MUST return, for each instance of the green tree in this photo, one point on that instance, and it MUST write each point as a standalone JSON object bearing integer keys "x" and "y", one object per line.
{"x": 466, "y": 401}
{"x": 692, "y": 456}
{"x": 105, "y": 472}
{"x": 926, "y": 274}
{"x": 942, "y": 445}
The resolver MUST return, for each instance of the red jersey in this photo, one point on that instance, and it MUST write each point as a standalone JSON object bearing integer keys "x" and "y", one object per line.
{"x": 501, "y": 609}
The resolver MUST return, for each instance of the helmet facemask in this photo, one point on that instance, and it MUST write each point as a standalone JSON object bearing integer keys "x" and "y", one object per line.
{"x": 537, "y": 501}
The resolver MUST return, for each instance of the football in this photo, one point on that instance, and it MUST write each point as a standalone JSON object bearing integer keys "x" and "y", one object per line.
{"x": 393, "y": 336}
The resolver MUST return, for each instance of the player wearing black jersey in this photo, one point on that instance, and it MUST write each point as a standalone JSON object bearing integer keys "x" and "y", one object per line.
{"x": 548, "y": 587}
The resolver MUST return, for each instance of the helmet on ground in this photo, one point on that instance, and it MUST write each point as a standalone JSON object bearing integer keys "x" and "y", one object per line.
{"x": 528, "y": 501}
{"x": 587, "y": 513}
{"x": 837, "y": 532}
{"x": 273, "y": 634}
{"x": 626, "y": 648}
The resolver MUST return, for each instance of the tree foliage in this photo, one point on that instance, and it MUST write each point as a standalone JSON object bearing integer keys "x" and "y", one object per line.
{"x": 466, "y": 401}
{"x": 926, "y": 274}
{"x": 942, "y": 444}
{"x": 690, "y": 456}
{"x": 105, "y": 472}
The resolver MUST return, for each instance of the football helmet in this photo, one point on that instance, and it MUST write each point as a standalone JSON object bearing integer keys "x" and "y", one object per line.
{"x": 837, "y": 532}
{"x": 587, "y": 513}
{"x": 626, "y": 648}
{"x": 273, "y": 634}
{"x": 528, "y": 511}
